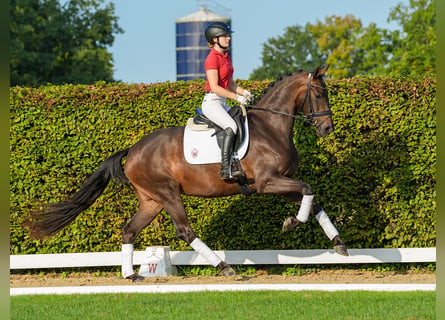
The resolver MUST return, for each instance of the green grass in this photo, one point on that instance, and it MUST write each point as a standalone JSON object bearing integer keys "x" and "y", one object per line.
{"x": 281, "y": 305}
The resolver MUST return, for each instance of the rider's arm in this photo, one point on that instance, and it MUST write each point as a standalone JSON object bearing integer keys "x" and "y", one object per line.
{"x": 212, "y": 78}
{"x": 233, "y": 86}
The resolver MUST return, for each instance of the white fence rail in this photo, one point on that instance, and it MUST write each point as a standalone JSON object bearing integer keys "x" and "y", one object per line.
{"x": 235, "y": 257}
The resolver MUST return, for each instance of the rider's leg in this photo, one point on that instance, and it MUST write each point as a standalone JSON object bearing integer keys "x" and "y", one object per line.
{"x": 226, "y": 154}
{"x": 215, "y": 109}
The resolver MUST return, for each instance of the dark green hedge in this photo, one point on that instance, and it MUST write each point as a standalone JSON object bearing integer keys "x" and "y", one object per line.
{"x": 375, "y": 175}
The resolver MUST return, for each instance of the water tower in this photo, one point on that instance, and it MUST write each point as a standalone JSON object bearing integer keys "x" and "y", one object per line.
{"x": 191, "y": 45}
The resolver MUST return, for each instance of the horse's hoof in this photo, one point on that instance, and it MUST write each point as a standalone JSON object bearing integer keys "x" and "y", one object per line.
{"x": 135, "y": 278}
{"x": 341, "y": 249}
{"x": 290, "y": 224}
{"x": 227, "y": 271}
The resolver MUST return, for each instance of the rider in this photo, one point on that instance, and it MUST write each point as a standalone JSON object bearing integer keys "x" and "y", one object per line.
{"x": 219, "y": 87}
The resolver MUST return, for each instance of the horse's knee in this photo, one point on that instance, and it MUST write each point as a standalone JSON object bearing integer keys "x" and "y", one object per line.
{"x": 128, "y": 236}
{"x": 185, "y": 234}
{"x": 306, "y": 189}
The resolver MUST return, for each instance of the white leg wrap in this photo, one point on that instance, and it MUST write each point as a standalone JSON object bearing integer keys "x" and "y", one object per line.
{"x": 127, "y": 260}
{"x": 327, "y": 225}
{"x": 205, "y": 251}
{"x": 305, "y": 208}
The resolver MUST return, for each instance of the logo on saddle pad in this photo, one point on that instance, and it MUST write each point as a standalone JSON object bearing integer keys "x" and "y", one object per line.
{"x": 201, "y": 146}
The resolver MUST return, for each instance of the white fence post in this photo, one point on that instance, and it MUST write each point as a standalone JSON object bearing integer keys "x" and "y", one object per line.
{"x": 156, "y": 263}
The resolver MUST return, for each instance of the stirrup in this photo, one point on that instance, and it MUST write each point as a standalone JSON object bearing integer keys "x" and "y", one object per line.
{"x": 233, "y": 171}
{"x": 236, "y": 169}
{"x": 225, "y": 174}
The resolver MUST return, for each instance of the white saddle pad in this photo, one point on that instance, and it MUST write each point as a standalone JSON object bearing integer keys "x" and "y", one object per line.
{"x": 200, "y": 147}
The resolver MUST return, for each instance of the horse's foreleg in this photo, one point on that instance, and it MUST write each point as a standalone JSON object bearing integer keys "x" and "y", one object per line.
{"x": 298, "y": 192}
{"x": 305, "y": 202}
{"x": 332, "y": 233}
{"x": 329, "y": 229}
{"x": 148, "y": 210}
{"x": 185, "y": 232}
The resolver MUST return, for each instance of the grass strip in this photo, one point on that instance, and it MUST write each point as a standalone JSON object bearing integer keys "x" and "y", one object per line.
{"x": 228, "y": 305}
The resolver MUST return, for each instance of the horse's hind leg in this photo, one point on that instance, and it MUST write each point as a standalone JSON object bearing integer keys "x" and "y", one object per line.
{"x": 148, "y": 210}
{"x": 176, "y": 210}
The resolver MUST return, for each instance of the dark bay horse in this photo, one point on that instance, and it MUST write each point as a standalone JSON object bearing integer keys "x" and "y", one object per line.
{"x": 157, "y": 170}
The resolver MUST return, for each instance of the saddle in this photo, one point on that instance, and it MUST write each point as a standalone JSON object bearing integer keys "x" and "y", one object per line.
{"x": 199, "y": 144}
{"x": 200, "y": 122}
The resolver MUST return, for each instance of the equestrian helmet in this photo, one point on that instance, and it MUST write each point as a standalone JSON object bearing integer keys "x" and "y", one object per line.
{"x": 217, "y": 29}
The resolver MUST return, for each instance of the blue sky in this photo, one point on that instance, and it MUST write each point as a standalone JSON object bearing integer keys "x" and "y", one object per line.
{"x": 145, "y": 52}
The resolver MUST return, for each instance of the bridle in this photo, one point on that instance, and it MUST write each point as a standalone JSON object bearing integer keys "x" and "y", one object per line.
{"x": 312, "y": 114}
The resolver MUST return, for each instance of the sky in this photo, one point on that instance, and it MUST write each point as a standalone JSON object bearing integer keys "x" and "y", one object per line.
{"x": 145, "y": 52}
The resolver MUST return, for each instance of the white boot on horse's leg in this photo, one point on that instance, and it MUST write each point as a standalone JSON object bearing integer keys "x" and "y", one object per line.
{"x": 127, "y": 264}
{"x": 292, "y": 223}
{"x": 211, "y": 257}
{"x": 332, "y": 233}
{"x": 305, "y": 208}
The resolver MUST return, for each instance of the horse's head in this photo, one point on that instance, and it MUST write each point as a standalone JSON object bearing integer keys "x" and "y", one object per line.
{"x": 314, "y": 103}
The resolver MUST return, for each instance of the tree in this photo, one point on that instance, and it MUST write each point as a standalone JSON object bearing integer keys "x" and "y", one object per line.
{"x": 352, "y": 49}
{"x": 341, "y": 42}
{"x": 54, "y": 44}
{"x": 336, "y": 38}
{"x": 293, "y": 51}
{"x": 415, "y": 45}
{"x": 373, "y": 51}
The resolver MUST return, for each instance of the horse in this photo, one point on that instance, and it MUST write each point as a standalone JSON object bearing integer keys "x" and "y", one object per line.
{"x": 156, "y": 169}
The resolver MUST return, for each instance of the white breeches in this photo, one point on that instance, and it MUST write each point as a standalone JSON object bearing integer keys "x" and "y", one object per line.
{"x": 215, "y": 109}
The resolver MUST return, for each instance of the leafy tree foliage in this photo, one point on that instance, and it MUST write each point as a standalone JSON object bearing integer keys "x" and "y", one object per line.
{"x": 415, "y": 46}
{"x": 50, "y": 43}
{"x": 352, "y": 49}
{"x": 293, "y": 51}
{"x": 336, "y": 39}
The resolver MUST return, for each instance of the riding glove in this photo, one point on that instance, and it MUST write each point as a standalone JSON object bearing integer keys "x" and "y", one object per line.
{"x": 242, "y": 100}
{"x": 248, "y": 95}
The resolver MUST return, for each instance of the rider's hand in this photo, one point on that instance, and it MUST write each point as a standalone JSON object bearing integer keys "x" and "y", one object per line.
{"x": 242, "y": 100}
{"x": 248, "y": 95}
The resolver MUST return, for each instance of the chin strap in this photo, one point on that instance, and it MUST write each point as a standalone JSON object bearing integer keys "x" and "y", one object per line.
{"x": 219, "y": 44}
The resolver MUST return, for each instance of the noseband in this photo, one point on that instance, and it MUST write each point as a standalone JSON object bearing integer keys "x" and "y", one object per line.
{"x": 311, "y": 115}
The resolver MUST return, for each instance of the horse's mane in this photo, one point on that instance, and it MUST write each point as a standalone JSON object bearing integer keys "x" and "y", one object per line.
{"x": 274, "y": 83}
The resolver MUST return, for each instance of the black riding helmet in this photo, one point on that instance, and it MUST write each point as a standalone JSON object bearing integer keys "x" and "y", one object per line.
{"x": 217, "y": 29}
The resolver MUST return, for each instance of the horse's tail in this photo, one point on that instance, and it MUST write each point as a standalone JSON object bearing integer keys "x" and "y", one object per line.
{"x": 54, "y": 217}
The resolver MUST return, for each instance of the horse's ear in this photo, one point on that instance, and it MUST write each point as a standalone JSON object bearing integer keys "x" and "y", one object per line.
{"x": 320, "y": 71}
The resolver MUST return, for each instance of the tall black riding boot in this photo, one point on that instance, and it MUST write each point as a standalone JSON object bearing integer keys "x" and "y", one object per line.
{"x": 226, "y": 155}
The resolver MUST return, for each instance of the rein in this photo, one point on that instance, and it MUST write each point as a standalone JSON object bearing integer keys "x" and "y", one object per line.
{"x": 311, "y": 115}
{"x": 305, "y": 118}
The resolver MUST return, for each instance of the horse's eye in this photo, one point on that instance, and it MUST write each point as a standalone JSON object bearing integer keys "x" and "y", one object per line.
{"x": 318, "y": 96}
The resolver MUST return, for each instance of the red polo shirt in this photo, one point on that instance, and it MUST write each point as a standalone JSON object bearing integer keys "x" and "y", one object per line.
{"x": 223, "y": 64}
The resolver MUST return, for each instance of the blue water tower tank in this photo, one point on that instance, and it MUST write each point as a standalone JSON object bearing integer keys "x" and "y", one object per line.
{"x": 191, "y": 44}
